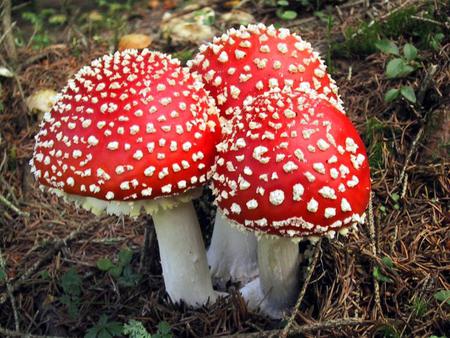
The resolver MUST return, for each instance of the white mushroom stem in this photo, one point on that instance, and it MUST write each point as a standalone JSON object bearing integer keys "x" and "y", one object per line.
{"x": 278, "y": 284}
{"x": 183, "y": 258}
{"x": 232, "y": 253}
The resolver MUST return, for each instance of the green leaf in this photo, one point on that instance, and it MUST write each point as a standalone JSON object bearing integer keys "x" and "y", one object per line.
{"x": 391, "y": 94}
{"x": 71, "y": 282}
{"x": 286, "y": 14}
{"x": 135, "y": 329}
{"x": 387, "y": 261}
{"x": 380, "y": 276}
{"x": 398, "y": 68}
{"x": 394, "y": 68}
{"x": 125, "y": 256}
{"x": 128, "y": 277}
{"x": 395, "y": 197}
{"x": 116, "y": 271}
{"x": 443, "y": 296}
{"x": 387, "y": 47}
{"x": 408, "y": 93}
{"x": 419, "y": 307}
{"x": 2, "y": 274}
{"x": 409, "y": 51}
{"x": 283, "y": 3}
{"x": 104, "y": 264}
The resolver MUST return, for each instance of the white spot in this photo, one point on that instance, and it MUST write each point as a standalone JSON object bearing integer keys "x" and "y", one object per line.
{"x": 330, "y": 212}
{"x": 276, "y": 197}
{"x": 345, "y": 206}
{"x": 328, "y": 192}
{"x": 312, "y": 205}
{"x": 297, "y": 192}
{"x": 252, "y": 204}
{"x": 235, "y": 208}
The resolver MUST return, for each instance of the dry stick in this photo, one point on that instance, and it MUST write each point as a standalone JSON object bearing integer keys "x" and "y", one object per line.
{"x": 373, "y": 247}
{"x": 327, "y": 325}
{"x": 309, "y": 273}
{"x": 9, "y": 333}
{"x": 145, "y": 250}
{"x": 58, "y": 244}
{"x": 420, "y": 97}
{"x": 13, "y": 207}
{"x": 9, "y": 291}
{"x": 7, "y": 28}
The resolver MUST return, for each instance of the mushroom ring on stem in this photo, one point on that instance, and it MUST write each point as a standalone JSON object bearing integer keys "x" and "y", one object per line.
{"x": 290, "y": 166}
{"x": 135, "y": 131}
{"x": 236, "y": 67}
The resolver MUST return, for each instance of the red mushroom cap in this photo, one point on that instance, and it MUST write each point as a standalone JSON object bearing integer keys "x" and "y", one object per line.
{"x": 130, "y": 126}
{"x": 291, "y": 164}
{"x": 249, "y": 61}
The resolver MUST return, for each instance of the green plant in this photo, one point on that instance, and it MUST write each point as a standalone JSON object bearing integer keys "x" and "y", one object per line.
{"x": 122, "y": 271}
{"x": 135, "y": 329}
{"x": 283, "y": 12}
{"x": 419, "y": 307}
{"x": 2, "y": 274}
{"x": 400, "y": 66}
{"x": 104, "y": 329}
{"x": 40, "y": 37}
{"x": 71, "y": 284}
{"x": 443, "y": 296}
{"x": 115, "y": 16}
{"x": 422, "y": 24}
{"x": 377, "y": 273}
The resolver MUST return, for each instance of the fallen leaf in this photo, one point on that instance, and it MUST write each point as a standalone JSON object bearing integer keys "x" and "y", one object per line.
{"x": 41, "y": 101}
{"x": 134, "y": 41}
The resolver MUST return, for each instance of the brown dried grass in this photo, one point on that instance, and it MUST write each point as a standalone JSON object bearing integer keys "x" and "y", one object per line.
{"x": 415, "y": 235}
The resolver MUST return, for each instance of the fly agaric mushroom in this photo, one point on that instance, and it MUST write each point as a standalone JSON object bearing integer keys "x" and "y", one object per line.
{"x": 290, "y": 166}
{"x": 249, "y": 61}
{"x": 236, "y": 67}
{"x": 133, "y": 131}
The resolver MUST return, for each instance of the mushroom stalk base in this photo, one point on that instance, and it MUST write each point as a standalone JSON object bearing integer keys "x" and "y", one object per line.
{"x": 183, "y": 258}
{"x": 277, "y": 287}
{"x": 232, "y": 253}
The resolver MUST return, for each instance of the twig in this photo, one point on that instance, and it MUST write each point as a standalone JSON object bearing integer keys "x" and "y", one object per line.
{"x": 145, "y": 250}
{"x": 7, "y": 28}
{"x": 420, "y": 97}
{"x": 373, "y": 248}
{"x": 13, "y": 207}
{"x": 9, "y": 291}
{"x": 9, "y": 333}
{"x": 31, "y": 270}
{"x": 331, "y": 324}
{"x": 309, "y": 273}
{"x": 426, "y": 83}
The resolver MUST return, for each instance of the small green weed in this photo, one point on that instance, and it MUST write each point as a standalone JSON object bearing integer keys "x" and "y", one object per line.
{"x": 122, "y": 271}
{"x": 41, "y": 20}
{"x": 443, "y": 296}
{"x": 135, "y": 329}
{"x": 377, "y": 273}
{"x": 411, "y": 22}
{"x": 104, "y": 329}
{"x": 71, "y": 285}
{"x": 400, "y": 66}
{"x": 419, "y": 307}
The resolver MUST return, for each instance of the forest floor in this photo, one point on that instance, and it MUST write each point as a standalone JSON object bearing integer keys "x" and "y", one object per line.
{"x": 389, "y": 279}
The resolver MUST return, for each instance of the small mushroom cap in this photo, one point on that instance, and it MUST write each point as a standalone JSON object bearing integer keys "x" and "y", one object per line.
{"x": 247, "y": 62}
{"x": 130, "y": 126}
{"x": 291, "y": 164}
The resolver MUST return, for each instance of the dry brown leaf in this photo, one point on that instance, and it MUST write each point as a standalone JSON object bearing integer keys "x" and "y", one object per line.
{"x": 134, "y": 41}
